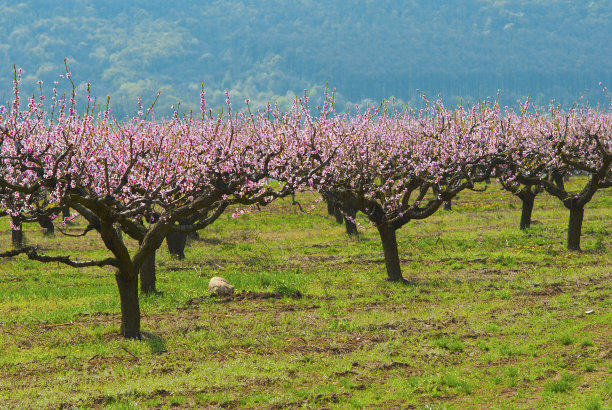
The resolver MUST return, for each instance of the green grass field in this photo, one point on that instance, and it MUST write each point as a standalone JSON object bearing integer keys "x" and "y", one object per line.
{"x": 493, "y": 317}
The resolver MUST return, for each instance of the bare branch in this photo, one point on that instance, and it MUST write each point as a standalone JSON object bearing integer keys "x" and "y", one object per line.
{"x": 88, "y": 229}
{"x": 31, "y": 252}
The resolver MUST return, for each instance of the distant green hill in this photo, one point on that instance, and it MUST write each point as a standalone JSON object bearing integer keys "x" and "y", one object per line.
{"x": 269, "y": 50}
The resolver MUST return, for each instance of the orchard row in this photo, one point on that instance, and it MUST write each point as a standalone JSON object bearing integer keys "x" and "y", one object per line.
{"x": 152, "y": 179}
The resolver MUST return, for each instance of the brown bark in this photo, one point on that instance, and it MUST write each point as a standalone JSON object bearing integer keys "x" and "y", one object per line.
{"x": 558, "y": 180}
{"x": 338, "y": 215}
{"x": 351, "y": 226}
{"x": 574, "y": 230}
{"x": 528, "y": 200}
{"x": 66, "y": 214}
{"x": 330, "y": 208}
{"x": 389, "y": 243}
{"x": 17, "y": 236}
{"x": 46, "y": 223}
{"x": 148, "y": 275}
{"x": 130, "y": 308}
{"x": 176, "y": 243}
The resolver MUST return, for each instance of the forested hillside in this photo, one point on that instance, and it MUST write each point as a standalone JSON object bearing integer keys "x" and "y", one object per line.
{"x": 269, "y": 50}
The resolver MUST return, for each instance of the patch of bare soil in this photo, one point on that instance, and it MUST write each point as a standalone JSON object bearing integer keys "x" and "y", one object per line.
{"x": 247, "y": 295}
{"x": 101, "y": 362}
{"x": 389, "y": 366}
{"x": 209, "y": 241}
{"x": 10, "y": 278}
{"x": 333, "y": 346}
{"x": 23, "y": 375}
{"x": 553, "y": 289}
{"x": 556, "y": 289}
{"x": 414, "y": 325}
{"x": 390, "y": 306}
{"x": 321, "y": 400}
{"x": 96, "y": 317}
{"x": 307, "y": 261}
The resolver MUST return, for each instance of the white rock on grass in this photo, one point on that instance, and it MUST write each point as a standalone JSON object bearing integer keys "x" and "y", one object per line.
{"x": 220, "y": 287}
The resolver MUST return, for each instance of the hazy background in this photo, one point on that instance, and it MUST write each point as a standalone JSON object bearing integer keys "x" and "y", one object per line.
{"x": 269, "y": 50}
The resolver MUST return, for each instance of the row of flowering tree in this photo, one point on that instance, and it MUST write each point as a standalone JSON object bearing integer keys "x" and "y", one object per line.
{"x": 144, "y": 178}
{"x": 140, "y": 177}
{"x": 401, "y": 166}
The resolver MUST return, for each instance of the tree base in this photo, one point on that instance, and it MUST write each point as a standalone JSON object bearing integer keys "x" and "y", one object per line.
{"x": 403, "y": 281}
{"x": 130, "y": 306}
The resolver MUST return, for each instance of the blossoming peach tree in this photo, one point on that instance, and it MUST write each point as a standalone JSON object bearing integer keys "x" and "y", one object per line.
{"x": 512, "y": 126}
{"x": 399, "y": 166}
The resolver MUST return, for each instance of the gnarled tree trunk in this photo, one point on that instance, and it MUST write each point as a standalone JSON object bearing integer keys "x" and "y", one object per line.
{"x": 176, "y": 243}
{"x": 349, "y": 222}
{"x": 558, "y": 179}
{"x": 17, "y": 237}
{"x": 66, "y": 215}
{"x": 130, "y": 307}
{"x": 46, "y": 223}
{"x": 574, "y": 230}
{"x": 389, "y": 243}
{"x": 177, "y": 240}
{"x": 330, "y": 207}
{"x": 528, "y": 199}
{"x": 148, "y": 275}
{"x": 338, "y": 214}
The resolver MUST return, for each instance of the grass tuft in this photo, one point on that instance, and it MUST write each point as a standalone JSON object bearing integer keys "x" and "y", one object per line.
{"x": 567, "y": 339}
{"x": 565, "y": 384}
{"x": 449, "y": 343}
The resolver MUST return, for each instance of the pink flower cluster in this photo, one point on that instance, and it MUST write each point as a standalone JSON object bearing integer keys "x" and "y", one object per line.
{"x": 140, "y": 165}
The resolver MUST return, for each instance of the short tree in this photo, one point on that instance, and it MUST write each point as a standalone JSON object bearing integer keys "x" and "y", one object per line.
{"x": 396, "y": 167}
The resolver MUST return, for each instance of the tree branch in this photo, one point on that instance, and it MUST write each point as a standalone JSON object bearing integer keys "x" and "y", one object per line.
{"x": 32, "y": 254}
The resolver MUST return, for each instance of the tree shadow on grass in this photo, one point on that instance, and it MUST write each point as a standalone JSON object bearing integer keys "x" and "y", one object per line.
{"x": 155, "y": 342}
